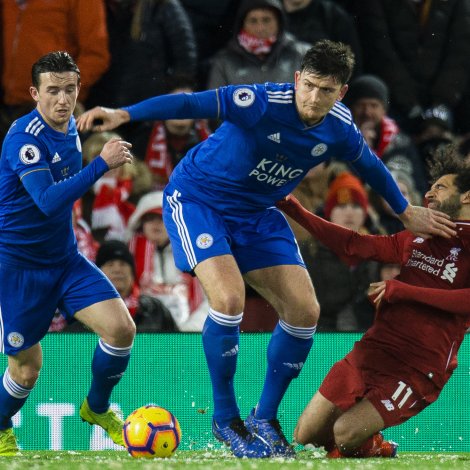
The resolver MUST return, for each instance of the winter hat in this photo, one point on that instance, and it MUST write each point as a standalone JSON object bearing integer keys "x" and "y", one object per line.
{"x": 111, "y": 250}
{"x": 151, "y": 203}
{"x": 345, "y": 189}
{"x": 367, "y": 86}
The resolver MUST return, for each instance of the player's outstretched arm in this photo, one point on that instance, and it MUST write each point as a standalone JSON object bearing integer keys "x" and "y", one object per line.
{"x": 426, "y": 222}
{"x": 454, "y": 301}
{"x": 350, "y": 246}
{"x": 101, "y": 119}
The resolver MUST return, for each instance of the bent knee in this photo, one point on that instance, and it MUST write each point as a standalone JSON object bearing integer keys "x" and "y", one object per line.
{"x": 122, "y": 334}
{"x": 301, "y": 434}
{"x": 346, "y": 436}
{"x": 26, "y": 375}
{"x": 229, "y": 303}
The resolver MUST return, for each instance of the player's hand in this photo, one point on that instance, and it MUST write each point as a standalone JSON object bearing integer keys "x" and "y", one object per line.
{"x": 101, "y": 119}
{"x": 116, "y": 152}
{"x": 377, "y": 291}
{"x": 426, "y": 222}
{"x": 289, "y": 203}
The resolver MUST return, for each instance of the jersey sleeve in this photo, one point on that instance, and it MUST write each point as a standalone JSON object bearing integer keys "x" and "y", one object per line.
{"x": 27, "y": 158}
{"x": 242, "y": 105}
{"x": 204, "y": 104}
{"x": 350, "y": 246}
{"x": 374, "y": 172}
{"x": 51, "y": 197}
{"x": 452, "y": 301}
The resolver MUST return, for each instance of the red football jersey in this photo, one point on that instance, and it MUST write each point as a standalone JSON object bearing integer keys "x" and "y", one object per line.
{"x": 425, "y": 312}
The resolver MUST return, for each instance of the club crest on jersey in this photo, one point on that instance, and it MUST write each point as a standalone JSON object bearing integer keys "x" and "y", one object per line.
{"x": 243, "y": 97}
{"x": 204, "y": 240}
{"x": 79, "y": 144}
{"x": 15, "y": 339}
{"x": 318, "y": 150}
{"x": 454, "y": 254}
{"x": 29, "y": 154}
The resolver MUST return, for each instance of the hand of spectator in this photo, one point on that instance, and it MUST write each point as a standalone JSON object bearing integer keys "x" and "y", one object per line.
{"x": 426, "y": 222}
{"x": 101, "y": 119}
{"x": 116, "y": 152}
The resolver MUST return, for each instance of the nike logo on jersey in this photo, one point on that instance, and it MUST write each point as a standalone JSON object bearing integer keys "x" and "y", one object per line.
{"x": 275, "y": 137}
{"x": 56, "y": 158}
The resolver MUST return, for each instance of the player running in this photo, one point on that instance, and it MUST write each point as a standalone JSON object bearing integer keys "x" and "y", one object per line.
{"x": 40, "y": 266}
{"x": 403, "y": 361}
{"x": 220, "y": 215}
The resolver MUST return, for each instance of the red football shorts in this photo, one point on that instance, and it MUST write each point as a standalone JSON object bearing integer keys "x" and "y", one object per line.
{"x": 397, "y": 391}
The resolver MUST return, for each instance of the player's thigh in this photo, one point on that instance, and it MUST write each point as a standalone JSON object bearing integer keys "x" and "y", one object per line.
{"x": 315, "y": 425}
{"x": 289, "y": 289}
{"x": 111, "y": 320}
{"x": 90, "y": 298}
{"x": 28, "y": 300}
{"x": 196, "y": 232}
{"x": 223, "y": 284}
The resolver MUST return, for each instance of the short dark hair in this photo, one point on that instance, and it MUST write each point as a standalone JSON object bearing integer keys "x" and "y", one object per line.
{"x": 446, "y": 160}
{"x": 57, "y": 61}
{"x": 329, "y": 58}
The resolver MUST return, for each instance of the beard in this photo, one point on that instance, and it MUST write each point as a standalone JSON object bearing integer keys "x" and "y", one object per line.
{"x": 450, "y": 206}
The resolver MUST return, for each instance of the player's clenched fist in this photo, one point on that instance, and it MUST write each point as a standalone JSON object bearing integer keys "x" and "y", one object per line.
{"x": 116, "y": 152}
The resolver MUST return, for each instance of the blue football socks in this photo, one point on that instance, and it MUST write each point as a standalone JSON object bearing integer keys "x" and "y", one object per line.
{"x": 12, "y": 398}
{"x": 108, "y": 366}
{"x": 220, "y": 337}
{"x": 287, "y": 352}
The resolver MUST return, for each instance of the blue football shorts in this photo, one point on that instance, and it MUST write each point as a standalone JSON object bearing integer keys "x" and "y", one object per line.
{"x": 30, "y": 297}
{"x": 198, "y": 232}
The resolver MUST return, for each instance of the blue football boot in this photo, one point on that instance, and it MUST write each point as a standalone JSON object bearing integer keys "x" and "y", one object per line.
{"x": 241, "y": 442}
{"x": 271, "y": 432}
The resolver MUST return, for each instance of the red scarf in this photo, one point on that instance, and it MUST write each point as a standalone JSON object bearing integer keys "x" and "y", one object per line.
{"x": 132, "y": 300}
{"x": 388, "y": 130}
{"x": 255, "y": 45}
{"x": 143, "y": 251}
{"x": 158, "y": 157}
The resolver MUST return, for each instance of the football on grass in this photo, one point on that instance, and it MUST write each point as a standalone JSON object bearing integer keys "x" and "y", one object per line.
{"x": 151, "y": 431}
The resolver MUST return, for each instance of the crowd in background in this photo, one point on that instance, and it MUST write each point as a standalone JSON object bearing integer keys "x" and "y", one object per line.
{"x": 409, "y": 94}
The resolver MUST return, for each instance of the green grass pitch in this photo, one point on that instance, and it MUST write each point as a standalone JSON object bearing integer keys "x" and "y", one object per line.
{"x": 221, "y": 459}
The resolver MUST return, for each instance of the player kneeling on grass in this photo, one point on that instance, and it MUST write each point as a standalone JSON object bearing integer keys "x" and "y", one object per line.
{"x": 403, "y": 361}
{"x": 40, "y": 266}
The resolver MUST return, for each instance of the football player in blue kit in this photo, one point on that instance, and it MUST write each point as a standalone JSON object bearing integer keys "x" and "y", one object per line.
{"x": 41, "y": 269}
{"x": 219, "y": 211}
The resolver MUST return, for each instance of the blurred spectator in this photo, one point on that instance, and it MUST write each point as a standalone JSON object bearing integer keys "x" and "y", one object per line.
{"x": 156, "y": 272}
{"x": 342, "y": 289}
{"x": 150, "y": 42}
{"x": 312, "y": 20}
{"x": 421, "y": 50}
{"x": 32, "y": 28}
{"x": 433, "y": 130}
{"x": 381, "y": 210}
{"x": 260, "y": 51}
{"x": 388, "y": 271}
{"x": 368, "y": 99}
{"x": 87, "y": 245}
{"x": 170, "y": 140}
{"x": 113, "y": 193}
{"x": 212, "y": 22}
{"x": 148, "y": 313}
{"x": 312, "y": 190}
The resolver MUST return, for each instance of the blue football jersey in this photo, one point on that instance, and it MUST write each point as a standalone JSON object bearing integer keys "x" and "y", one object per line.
{"x": 263, "y": 149}
{"x": 28, "y": 236}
